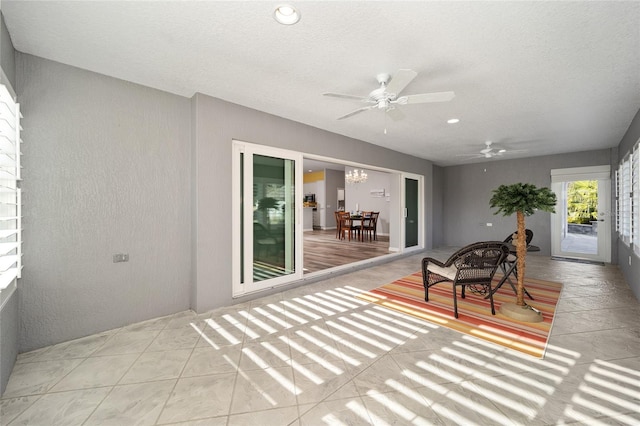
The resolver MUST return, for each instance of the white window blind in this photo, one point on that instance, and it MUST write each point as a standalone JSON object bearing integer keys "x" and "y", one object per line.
{"x": 617, "y": 197}
{"x": 635, "y": 202}
{"x": 10, "y": 196}
{"x": 625, "y": 200}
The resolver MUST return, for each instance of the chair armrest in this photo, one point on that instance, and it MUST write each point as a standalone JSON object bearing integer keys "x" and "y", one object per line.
{"x": 428, "y": 260}
{"x": 433, "y": 266}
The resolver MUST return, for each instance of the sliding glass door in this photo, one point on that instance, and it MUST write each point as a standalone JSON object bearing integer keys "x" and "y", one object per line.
{"x": 411, "y": 212}
{"x": 267, "y": 222}
{"x": 412, "y": 205}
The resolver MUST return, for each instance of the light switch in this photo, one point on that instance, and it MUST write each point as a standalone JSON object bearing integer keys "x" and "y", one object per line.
{"x": 120, "y": 257}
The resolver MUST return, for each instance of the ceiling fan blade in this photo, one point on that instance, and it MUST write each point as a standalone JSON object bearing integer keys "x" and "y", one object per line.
{"x": 342, "y": 96}
{"x": 400, "y": 80}
{"x": 395, "y": 113}
{"x": 358, "y": 111}
{"x": 426, "y": 98}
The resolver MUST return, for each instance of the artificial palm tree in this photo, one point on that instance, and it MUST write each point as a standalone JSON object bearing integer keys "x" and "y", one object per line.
{"x": 523, "y": 199}
{"x": 266, "y": 204}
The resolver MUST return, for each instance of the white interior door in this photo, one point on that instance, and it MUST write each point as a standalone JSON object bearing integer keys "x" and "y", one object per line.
{"x": 581, "y": 226}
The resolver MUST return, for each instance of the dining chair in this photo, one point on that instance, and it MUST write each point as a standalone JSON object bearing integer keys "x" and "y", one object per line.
{"x": 374, "y": 225}
{"x": 346, "y": 225}
{"x": 338, "y": 229}
{"x": 367, "y": 226}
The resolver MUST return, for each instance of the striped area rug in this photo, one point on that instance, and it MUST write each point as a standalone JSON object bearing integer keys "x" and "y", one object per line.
{"x": 407, "y": 295}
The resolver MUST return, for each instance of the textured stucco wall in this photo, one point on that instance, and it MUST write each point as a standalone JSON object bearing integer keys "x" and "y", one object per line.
{"x": 468, "y": 189}
{"x": 9, "y": 298}
{"x": 631, "y": 272}
{"x": 216, "y": 124}
{"x": 8, "y": 337}
{"x": 437, "y": 206}
{"x": 7, "y": 54}
{"x": 106, "y": 170}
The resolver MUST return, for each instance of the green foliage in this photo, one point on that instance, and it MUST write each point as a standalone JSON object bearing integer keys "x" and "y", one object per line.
{"x": 522, "y": 197}
{"x": 267, "y": 203}
{"x": 582, "y": 201}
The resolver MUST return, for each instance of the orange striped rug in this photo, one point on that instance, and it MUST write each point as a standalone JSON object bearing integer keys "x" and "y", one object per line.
{"x": 474, "y": 312}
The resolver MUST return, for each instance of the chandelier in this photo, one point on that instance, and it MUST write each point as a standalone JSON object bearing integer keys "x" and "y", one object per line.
{"x": 355, "y": 176}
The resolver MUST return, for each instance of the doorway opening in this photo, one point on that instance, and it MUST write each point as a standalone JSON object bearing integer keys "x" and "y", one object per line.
{"x": 280, "y": 205}
{"x": 580, "y": 224}
{"x": 580, "y": 228}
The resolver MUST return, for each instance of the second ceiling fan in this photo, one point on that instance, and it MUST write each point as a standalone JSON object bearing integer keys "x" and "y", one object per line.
{"x": 387, "y": 96}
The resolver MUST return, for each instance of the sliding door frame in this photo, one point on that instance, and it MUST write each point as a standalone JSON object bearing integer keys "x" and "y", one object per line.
{"x": 242, "y": 240}
{"x": 421, "y": 212}
{"x": 242, "y": 218}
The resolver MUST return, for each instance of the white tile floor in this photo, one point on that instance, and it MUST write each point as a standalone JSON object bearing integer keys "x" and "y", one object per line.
{"x": 318, "y": 356}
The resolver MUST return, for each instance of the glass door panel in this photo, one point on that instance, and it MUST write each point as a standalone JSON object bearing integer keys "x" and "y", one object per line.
{"x": 580, "y": 227}
{"x": 273, "y": 217}
{"x": 267, "y": 238}
{"x": 411, "y": 212}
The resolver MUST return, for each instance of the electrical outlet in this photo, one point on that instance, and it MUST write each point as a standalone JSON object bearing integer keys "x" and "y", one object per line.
{"x": 489, "y": 224}
{"x": 120, "y": 257}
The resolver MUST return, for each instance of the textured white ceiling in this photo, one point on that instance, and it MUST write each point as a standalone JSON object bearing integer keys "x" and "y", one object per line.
{"x": 544, "y": 77}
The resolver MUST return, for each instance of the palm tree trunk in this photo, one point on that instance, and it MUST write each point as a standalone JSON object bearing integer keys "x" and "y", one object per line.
{"x": 521, "y": 251}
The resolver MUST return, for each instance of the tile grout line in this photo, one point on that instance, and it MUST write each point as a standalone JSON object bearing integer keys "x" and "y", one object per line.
{"x": 164, "y": 406}
{"x": 123, "y": 375}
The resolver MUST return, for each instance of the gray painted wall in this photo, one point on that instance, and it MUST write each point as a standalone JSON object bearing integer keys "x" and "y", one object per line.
{"x": 7, "y": 54}
{"x": 333, "y": 180}
{"x": 217, "y": 123}
{"x": 106, "y": 170}
{"x": 437, "y": 206}
{"x": 9, "y": 323}
{"x": 468, "y": 189}
{"x": 631, "y": 272}
{"x": 360, "y": 194}
{"x": 8, "y": 337}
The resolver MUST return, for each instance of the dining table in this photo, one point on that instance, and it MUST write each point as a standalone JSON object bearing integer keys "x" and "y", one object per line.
{"x": 358, "y": 218}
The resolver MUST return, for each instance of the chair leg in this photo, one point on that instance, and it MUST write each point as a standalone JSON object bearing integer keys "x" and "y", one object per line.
{"x": 493, "y": 309}
{"x": 455, "y": 301}
{"x": 425, "y": 280}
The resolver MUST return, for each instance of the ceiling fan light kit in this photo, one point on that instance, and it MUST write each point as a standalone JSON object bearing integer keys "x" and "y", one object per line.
{"x": 387, "y": 98}
{"x": 490, "y": 151}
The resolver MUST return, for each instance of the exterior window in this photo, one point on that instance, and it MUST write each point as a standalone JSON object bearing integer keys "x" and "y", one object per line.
{"x": 617, "y": 197}
{"x": 10, "y": 196}
{"x": 624, "y": 200}
{"x": 635, "y": 202}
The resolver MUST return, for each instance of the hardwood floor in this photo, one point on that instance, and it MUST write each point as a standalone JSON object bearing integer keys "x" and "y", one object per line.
{"x": 322, "y": 250}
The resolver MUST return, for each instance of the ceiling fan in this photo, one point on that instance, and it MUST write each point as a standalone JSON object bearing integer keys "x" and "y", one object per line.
{"x": 387, "y": 96}
{"x": 491, "y": 151}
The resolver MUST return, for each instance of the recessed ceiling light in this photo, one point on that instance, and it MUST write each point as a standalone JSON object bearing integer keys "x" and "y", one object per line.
{"x": 286, "y": 14}
{"x": 453, "y": 121}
